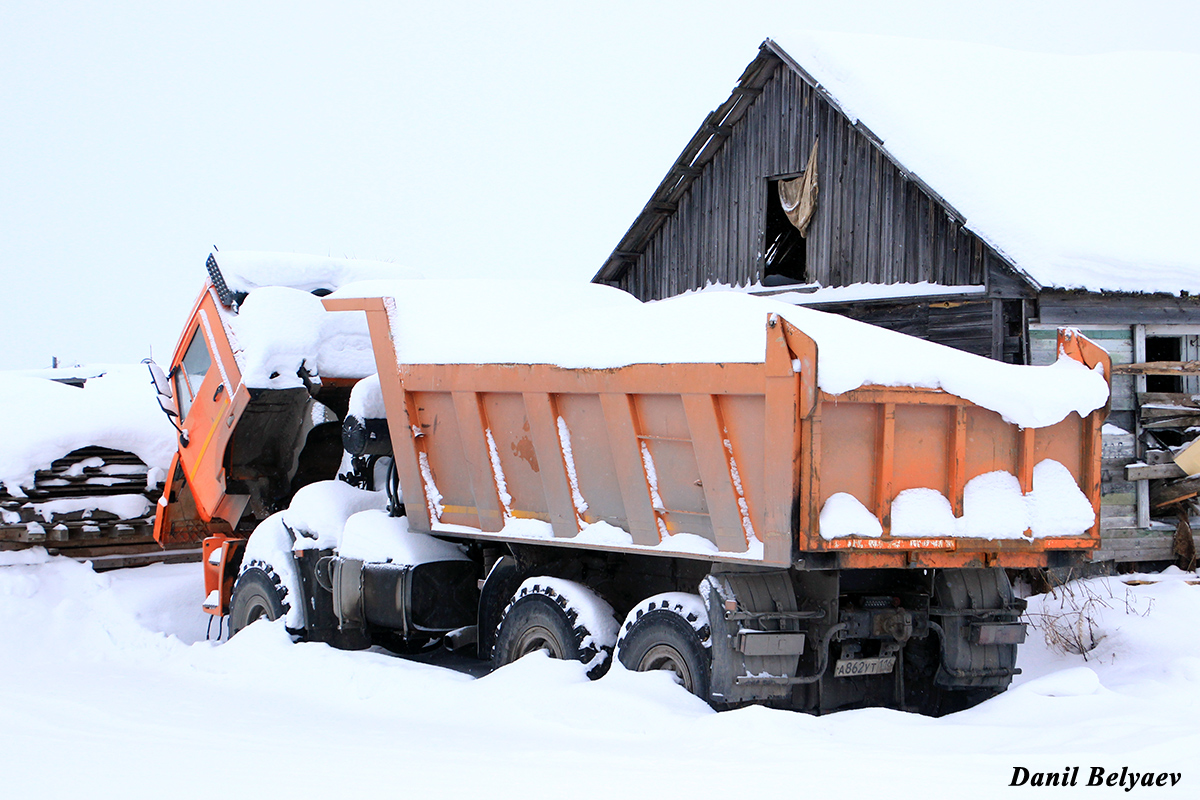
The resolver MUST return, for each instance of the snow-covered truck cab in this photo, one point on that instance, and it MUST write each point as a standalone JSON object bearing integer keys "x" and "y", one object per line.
{"x": 258, "y": 402}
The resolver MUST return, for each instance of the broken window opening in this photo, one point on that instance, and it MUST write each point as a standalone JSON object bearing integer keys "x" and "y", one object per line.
{"x": 1164, "y": 348}
{"x": 786, "y": 253}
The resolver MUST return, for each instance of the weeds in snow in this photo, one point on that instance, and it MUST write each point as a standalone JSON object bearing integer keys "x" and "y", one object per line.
{"x": 1074, "y": 627}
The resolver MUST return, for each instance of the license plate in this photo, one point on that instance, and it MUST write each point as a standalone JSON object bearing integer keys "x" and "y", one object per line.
{"x": 853, "y": 667}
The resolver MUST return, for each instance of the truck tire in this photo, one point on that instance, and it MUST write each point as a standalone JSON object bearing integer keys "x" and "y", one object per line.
{"x": 541, "y": 617}
{"x": 257, "y": 594}
{"x": 669, "y": 632}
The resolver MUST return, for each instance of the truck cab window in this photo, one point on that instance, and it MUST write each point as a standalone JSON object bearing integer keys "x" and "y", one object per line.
{"x": 190, "y": 374}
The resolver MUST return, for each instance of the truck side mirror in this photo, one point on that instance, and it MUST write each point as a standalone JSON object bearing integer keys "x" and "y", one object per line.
{"x": 161, "y": 384}
{"x": 167, "y": 405}
{"x": 165, "y": 398}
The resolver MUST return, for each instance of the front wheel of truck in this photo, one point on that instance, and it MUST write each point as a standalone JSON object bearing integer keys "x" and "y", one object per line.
{"x": 258, "y": 594}
{"x": 562, "y": 618}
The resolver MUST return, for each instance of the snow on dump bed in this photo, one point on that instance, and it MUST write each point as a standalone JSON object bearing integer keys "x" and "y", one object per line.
{"x": 245, "y": 271}
{"x": 993, "y": 508}
{"x": 42, "y": 420}
{"x": 1048, "y": 156}
{"x": 590, "y": 326}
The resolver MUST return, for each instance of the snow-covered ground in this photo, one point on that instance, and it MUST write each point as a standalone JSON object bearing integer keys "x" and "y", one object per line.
{"x": 112, "y": 691}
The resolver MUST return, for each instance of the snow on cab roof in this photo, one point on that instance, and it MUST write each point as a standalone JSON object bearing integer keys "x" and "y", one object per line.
{"x": 279, "y": 324}
{"x": 245, "y": 270}
{"x": 599, "y": 327}
{"x": 1080, "y": 168}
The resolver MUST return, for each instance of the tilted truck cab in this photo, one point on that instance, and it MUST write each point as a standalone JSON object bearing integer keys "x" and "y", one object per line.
{"x": 248, "y": 443}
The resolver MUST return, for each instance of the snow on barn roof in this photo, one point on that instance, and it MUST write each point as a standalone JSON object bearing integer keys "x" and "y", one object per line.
{"x": 1079, "y": 168}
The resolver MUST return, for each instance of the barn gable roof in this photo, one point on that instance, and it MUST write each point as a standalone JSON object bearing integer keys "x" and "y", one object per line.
{"x": 1076, "y": 169}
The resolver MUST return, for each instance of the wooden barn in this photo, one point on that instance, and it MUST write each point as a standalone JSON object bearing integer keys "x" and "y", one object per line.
{"x": 783, "y": 191}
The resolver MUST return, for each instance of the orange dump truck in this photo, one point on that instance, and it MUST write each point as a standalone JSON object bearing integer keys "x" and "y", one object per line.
{"x": 684, "y": 499}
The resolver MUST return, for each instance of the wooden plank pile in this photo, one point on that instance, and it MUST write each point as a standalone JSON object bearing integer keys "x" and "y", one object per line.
{"x": 1169, "y": 421}
{"x": 94, "y": 504}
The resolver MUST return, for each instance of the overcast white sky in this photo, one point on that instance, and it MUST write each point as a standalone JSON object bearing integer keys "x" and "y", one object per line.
{"x": 511, "y": 140}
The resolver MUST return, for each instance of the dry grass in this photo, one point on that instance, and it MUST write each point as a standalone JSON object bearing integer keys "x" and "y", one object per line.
{"x": 1072, "y": 627}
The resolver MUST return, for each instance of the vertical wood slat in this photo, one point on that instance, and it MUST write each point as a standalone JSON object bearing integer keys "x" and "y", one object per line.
{"x": 472, "y": 427}
{"x": 627, "y": 460}
{"x": 956, "y": 458}
{"x": 859, "y": 234}
{"x": 997, "y": 330}
{"x": 885, "y": 460}
{"x": 708, "y": 440}
{"x": 1143, "y": 487}
{"x": 836, "y": 253}
{"x": 556, "y": 483}
{"x": 873, "y": 266}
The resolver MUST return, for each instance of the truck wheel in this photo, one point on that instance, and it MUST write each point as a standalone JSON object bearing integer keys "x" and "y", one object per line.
{"x": 567, "y": 620}
{"x": 669, "y": 632}
{"x": 258, "y": 594}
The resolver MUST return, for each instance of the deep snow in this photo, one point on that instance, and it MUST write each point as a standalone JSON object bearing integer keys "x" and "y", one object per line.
{"x": 113, "y": 692}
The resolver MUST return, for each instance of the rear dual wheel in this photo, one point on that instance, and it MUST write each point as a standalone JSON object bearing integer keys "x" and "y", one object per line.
{"x": 669, "y": 632}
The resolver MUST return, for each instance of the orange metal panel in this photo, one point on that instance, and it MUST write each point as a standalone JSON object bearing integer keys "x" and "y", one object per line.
{"x": 442, "y": 447}
{"x": 849, "y": 446}
{"x": 957, "y": 459}
{"x": 712, "y": 459}
{"x": 595, "y": 469}
{"x": 884, "y": 460}
{"x": 477, "y": 461}
{"x": 631, "y": 474}
{"x": 219, "y": 401}
{"x": 922, "y": 448}
{"x": 744, "y": 426}
{"x": 991, "y": 444}
{"x": 397, "y": 404}
{"x": 793, "y": 445}
{"x": 781, "y": 445}
{"x": 556, "y": 484}
{"x": 507, "y": 420}
{"x": 633, "y": 379}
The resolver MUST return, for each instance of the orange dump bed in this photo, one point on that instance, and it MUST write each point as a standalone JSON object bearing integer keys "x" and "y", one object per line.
{"x": 725, "y": 462}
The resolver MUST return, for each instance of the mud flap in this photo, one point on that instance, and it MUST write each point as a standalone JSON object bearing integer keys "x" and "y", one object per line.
{"x": 755, "y": 652}
{"x": 979, "y": 628}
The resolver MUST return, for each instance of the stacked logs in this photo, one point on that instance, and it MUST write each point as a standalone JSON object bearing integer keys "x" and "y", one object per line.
{"x": 94, "y": 504}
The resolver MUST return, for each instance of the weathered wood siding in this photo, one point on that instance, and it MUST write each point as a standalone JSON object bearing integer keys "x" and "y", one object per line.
{"x": 874, "y": 222}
